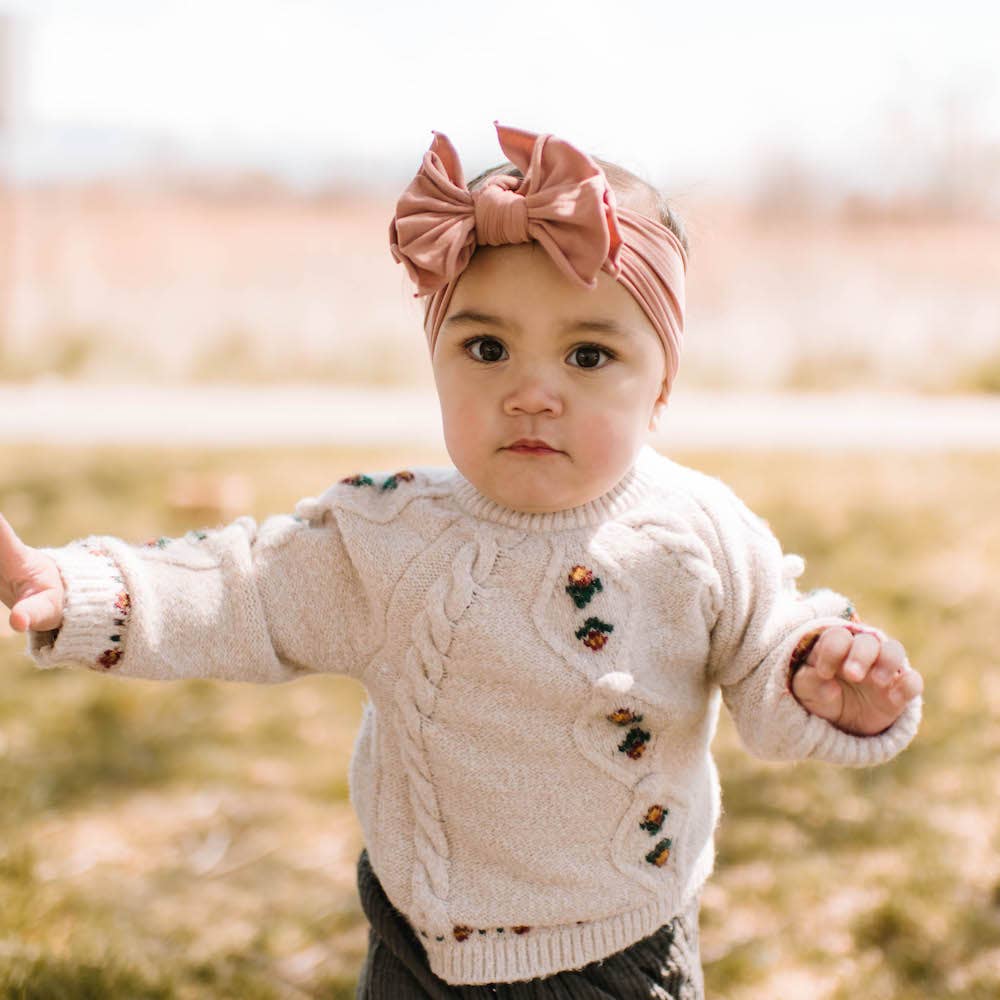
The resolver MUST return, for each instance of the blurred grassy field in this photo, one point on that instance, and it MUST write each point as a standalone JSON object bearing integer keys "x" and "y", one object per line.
{"x": 196, "y": 840}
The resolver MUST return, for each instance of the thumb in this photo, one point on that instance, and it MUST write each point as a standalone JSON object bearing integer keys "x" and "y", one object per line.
{"x": 37, "y": 612}
{"x": 10, "y": 544}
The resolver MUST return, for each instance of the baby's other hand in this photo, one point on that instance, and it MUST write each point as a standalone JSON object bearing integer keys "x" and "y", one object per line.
{"x": 30, "y": 584}
{"x": 857, "y": 681}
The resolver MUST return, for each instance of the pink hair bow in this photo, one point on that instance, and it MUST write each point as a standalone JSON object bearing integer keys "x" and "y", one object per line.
{"x": 563, "y": 201}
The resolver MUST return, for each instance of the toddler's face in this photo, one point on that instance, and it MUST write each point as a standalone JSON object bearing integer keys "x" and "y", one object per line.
{"x": 525, "y": 367}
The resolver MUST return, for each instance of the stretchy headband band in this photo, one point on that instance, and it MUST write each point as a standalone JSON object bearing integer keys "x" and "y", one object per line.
{"x": 563, "y": 202}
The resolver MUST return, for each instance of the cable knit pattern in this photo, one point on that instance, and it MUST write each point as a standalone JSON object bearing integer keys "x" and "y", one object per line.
{"x": 416, "y": 692}
{"x": 533, "y": 771}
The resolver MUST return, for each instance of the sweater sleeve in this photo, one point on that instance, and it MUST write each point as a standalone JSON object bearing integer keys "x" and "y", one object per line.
{"x": 260, "y": 604}
{"x": 762, "y": 620}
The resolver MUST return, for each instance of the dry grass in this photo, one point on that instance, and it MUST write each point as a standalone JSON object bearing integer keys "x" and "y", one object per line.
{"x": 195, "y": 839}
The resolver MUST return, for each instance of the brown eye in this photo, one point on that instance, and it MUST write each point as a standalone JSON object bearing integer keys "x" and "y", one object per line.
{"x": 588, "y": 356}
{"x": 491, "y": 349}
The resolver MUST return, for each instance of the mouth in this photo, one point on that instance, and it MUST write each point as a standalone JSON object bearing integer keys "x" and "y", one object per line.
{"x": 532, "y": 446}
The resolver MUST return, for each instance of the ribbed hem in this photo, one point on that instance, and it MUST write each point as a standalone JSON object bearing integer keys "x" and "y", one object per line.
{"x": 92, "y": 631}
{"x": 636, "y": 484}
{"x": 544, "y": 951}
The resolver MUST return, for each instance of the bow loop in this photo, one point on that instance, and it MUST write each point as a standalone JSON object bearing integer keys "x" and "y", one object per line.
{"x": 430, "y": 232}
{"x": 563, "y": 202}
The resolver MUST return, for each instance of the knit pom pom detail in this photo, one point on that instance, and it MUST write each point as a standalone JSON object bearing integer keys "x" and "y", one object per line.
{"x": 617, "y": 681}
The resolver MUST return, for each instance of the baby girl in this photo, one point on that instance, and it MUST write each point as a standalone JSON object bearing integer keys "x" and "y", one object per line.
{"x": 545, "y": 629}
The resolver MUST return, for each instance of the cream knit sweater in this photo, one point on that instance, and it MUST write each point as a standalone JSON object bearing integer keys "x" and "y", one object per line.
{"x": 532, "y": 773}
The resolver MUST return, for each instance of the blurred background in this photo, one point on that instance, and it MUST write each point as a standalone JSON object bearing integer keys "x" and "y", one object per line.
{"x": 200, "y": 317}
{"x": 201, "y": 191}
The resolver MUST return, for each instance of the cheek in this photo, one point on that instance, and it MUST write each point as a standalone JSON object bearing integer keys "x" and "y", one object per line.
{"x": 462, "y": 406}
{"x": 463, "y": 403}
{"x": 605, "y": 430}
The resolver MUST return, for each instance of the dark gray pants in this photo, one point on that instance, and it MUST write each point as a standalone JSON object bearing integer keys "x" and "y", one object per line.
{"x": 664, "y": 966}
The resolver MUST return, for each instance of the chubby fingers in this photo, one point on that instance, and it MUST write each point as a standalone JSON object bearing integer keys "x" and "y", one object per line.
{"x": 860, "y": 657}
{"x": 900, "y": 681}
{"x": 839, "y": 651}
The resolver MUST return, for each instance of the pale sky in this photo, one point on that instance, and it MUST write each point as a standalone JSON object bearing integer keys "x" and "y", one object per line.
{"x": 684, "y": 94}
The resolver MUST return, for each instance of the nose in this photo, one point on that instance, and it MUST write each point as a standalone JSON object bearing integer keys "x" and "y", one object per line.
{"x": 532, "y": 392}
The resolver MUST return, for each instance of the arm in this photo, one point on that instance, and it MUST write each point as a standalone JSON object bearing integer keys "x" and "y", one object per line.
{"x": 762, "y": 627}
{"x": 260, "y": 604}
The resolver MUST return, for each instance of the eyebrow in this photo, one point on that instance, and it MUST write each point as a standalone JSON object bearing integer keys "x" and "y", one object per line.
{"x": 593, "y": 325}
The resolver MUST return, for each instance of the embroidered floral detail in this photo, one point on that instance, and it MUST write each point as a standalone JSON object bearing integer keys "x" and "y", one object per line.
{"x": 623, "y": 716}
{"x": 161, "y": 542}
{"x": 658, "y": 855}
{"x": 462, "y": 932}
{"x": 393, "y": 481}
{"x": 582, "y": 585}
{"x": 358, "y": 479}
{"x": 634, "y": 744}
{"x": 109, "y": 658}
{"x": 592, "y": 633}
{"x": 197, "y": 536}
{"x": 655, "y": 815}
{"x": 123, "y": 605}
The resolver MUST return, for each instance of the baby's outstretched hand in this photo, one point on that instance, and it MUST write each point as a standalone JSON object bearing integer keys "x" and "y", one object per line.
{"x": 30, "y": 584}
{"x": 859, "y": 682}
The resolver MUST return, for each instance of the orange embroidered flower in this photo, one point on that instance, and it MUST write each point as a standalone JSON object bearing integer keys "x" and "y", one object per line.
{"x": 582, "y": 585}
{"x": 654, "y": 818}
{"x": 461, "y": 932}
{"x": 658, "y": 855}
{"x": 623, "y": 716}
{"x": 634, "y": 744}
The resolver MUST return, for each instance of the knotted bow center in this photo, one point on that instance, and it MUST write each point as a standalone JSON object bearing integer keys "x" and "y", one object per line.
{"x": 501, "y": 214}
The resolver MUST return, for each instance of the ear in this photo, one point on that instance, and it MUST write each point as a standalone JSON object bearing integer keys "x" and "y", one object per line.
{"x": 659, "y": 405}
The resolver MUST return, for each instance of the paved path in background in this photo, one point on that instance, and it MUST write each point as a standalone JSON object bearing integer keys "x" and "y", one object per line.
{"x": 56, "y": 412}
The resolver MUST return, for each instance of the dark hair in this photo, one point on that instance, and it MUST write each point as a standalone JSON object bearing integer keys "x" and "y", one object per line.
{"x": 630, "y": 190}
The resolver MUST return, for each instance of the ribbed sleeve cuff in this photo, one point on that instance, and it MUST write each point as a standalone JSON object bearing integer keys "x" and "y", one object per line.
{"x": 839, "y": 747}
{"x": 818, "y": 739}
{"x": 95, "y": 611}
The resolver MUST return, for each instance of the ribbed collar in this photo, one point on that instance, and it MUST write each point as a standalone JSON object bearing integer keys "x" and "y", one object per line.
{"x": 626, "y": 493}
